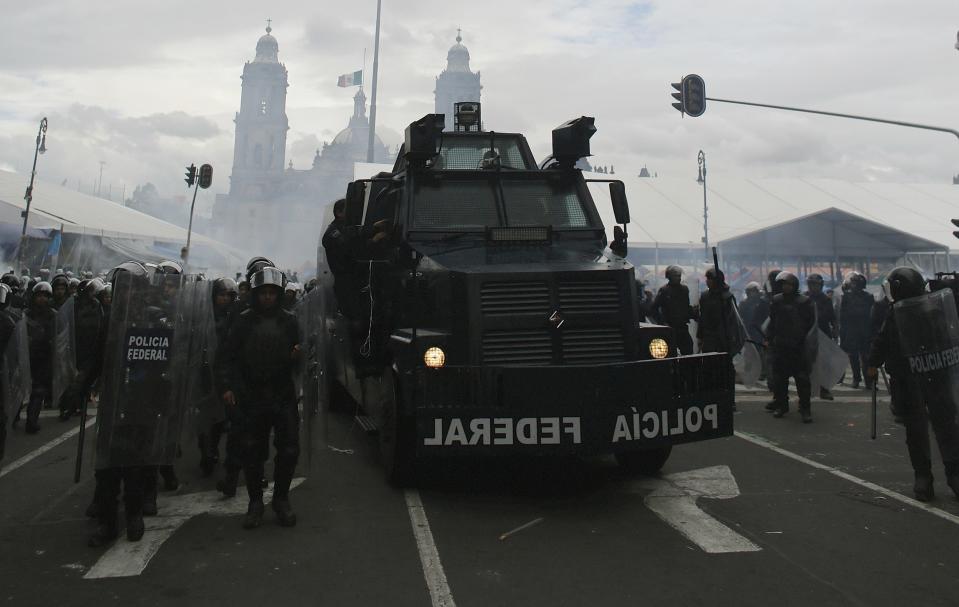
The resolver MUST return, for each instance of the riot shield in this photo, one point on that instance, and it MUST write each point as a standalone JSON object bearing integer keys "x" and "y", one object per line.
{"x": 928, "y": 328}
{"x": 748, "y": 364}
{"x": 141, "y": 409}
{"x": 17, "y": 382}
{"x": 195, "y": 306}
{"x": 313, "y": 387}
{"x": 64, "y": 350}
{"x": 829, "y": 364}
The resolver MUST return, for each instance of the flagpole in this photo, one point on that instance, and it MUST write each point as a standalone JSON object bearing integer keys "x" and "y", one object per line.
{"x": 376, "y": 64}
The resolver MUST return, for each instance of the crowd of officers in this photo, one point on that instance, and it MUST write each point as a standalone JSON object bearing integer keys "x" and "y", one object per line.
{"x": 778, "y": 318}
{"x": 253, "y": 394}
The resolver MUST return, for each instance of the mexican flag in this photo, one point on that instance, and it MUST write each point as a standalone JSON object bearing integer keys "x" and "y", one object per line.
{"x": 354, "y": 79}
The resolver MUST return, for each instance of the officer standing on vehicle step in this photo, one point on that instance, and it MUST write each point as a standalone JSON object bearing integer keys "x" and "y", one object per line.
{"x": 671, "y": 307}
{"x": 922, "y": 383}
{"x": 825, "y": 316}
{"x": 855, "y": 310}
{"x": 261, "y": 356}
{"x": 791, "y": 317}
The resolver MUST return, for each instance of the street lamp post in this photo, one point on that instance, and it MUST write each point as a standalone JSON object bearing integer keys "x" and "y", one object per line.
{"x": 702, "y": 179}
{"x": 41, "y": 147}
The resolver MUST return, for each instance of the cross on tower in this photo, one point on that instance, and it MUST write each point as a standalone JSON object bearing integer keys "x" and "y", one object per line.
{"x": 269, "y": 24}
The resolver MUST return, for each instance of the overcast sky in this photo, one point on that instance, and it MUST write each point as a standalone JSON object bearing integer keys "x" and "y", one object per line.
{"x": 149, "y": 87}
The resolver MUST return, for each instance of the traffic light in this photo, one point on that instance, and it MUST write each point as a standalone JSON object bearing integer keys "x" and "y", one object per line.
{"x": 206, "y": 176}
{"x": 690, "y": 96}
{"x": 190, "y": 175}
{"x": 955, "y": 233}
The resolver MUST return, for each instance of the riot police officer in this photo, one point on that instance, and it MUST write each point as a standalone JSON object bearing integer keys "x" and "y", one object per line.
{"x": 921, "y": 395}
{"x": 260, "y": 359}
{"x": 671, "y": 307}
{"x": 88, "y": 321}
{"x": 61, "y": 290}
{"x": 215, "y": 422}
{"x": 41, "y": 326}
{"x": 791, "y": 317}
{"x": 825, "y": 316}
{"x": 7, "y": 325}
{"x": 719, "y": 329}
{"x": 855, "y": 310}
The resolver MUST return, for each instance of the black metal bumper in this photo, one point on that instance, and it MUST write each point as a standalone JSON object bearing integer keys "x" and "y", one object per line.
{"x": 556, "y": 410}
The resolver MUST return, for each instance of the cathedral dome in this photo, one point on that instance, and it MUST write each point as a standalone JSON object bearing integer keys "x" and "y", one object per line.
{"x": 267, "y": 48}
{"x": 458, "y": 57}
{"x": 356, "y": 135}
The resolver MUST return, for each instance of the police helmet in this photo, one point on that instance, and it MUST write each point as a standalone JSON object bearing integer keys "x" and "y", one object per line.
{"x": 224, "y": 285}
{"x": 714, "y": 274}
{"x": 4, "y": 295}
{"x": 817, "y": 278}
{"x": 69, "y": 274}
{"x": 60, "y": 279}
{"x": 293, "y": 286}
{"x": 83, "y": 285}
{"x": 11, "y": 281}
{"x": 105, "y": 291}
{"x": 74, "y": 283}
{"x": 169, "y": 267}
{"x": 268, "y": 276}
{"x": 787, "y": 278}
{"x": 42, "y": 287}
{"x": 136, "y": 269}
{"x": 674, "y": 271}
{"x": 93, "y": 287}
{"x": 44, "y": 274}
{"x": 255, "y": 260}
{"x": 752, "y": 286}
{"x": 771, "y": 286}
{"x": 856, "y": 280}
{"x": 903, "y": 283}
{"x": 256, "y": 266}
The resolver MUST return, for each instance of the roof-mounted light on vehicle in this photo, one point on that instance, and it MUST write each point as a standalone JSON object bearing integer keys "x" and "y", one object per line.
{"x": 422, "y": 138}
{"x": 571, "y": 140}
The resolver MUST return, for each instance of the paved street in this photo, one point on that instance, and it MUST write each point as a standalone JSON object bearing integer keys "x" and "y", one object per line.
{"x": 782, "y": 513}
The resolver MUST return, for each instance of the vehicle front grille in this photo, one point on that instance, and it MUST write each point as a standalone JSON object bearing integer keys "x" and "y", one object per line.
{"x": 514, "y": 298}
{"x": 593, "y": 345}
{"x": 518, "y": 347}
{"x": 591, "y": 296}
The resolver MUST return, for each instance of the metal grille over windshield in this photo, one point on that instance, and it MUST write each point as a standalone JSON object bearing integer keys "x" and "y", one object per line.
{"x": 538, "y": 203}
{"x": 467, "y": 154}
{"x": 455, "y": 204}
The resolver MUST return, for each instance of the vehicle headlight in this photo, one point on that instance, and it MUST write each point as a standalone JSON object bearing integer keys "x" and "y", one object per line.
{"x": 658, "y": 348}
{"x": 434, "y": 357}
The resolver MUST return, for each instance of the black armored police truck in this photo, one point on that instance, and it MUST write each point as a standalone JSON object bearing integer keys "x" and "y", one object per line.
{"x": 473, "y": 306}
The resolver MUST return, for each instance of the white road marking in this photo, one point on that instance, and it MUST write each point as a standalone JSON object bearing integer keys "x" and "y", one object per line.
{"x": 673, "y": 499}
{"x": 125, "y": 558}
{"x": 440, "y": 594}
{"x": 952, "y": 518}
{"x": 18, "y": 463}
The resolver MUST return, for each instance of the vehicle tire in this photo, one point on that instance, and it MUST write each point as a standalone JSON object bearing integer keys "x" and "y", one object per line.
{"x": 396, "y": 437}
{"x": 647, "y": 462}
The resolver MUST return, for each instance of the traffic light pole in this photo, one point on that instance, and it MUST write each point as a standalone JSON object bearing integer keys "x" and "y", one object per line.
{"x": 189, "y": 230}
{"x": 912, "y": 125}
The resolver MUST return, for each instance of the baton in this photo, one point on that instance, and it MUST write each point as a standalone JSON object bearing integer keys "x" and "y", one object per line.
{"x": 872, "y": 416}
{"x": 80, "y": 440}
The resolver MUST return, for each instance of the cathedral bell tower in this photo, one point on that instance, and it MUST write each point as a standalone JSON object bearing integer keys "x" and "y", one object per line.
{"x": 456, "y": 83}
{"x": 259, "y": 149}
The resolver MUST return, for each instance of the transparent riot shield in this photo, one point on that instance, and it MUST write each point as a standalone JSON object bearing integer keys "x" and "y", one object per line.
{"x": 142, "y": 408}
{"x": 195, "y": 306}
{"x": 829, "y": 364}
{"x": 928, "y": 328}
{"x": 17, "y": 381}
{"x": 313, "y": 388}
{"x": 64, "y": 350}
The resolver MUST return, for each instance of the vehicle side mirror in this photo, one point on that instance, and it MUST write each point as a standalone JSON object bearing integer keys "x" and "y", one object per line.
{"x": 618, "y": 246}
{"x": 355, "y": 201}
{"x": 617, "y": 194}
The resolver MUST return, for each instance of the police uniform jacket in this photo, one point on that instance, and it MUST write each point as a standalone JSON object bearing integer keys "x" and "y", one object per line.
{"x": 790, "y": 320}
{"x": 671, "y": 305}
{"x": 854, "y": 314}
{"x": 259, "y": 365}
{"x": 825, "y": 313}
{"x": 715, "y": 328}
{"x": 339, "y": 241}
{"x": 41, "y": 326}
{"x": 886, "y": 350}
{"x": 754, "y": 311}
{"x": 89, "y": 325}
